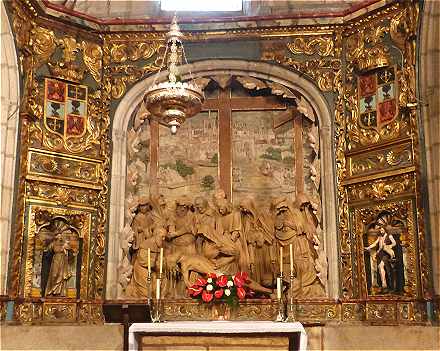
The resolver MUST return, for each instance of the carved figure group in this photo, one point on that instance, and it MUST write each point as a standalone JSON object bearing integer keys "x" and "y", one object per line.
{"x": 210, "y": 235}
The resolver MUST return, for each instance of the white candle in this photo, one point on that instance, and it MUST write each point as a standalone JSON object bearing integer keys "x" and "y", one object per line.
{"x": 157, "y": 289}
{"x": 281, "y": 260}
{"x": 279, "y": 287}
{"x": 149, "y": 261}
{"x": 291, "y": 258}
{"x": 161, "y": 261}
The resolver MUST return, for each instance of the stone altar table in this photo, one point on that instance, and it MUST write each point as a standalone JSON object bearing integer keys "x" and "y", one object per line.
{"x": 217, "y": 335}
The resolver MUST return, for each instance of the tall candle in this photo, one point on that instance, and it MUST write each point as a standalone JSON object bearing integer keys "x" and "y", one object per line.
{"x": 281, "y": 260}
{"x": 279, "y": 285}
{"x": 291, "y": 258}
{"x": 149, "y": 261}
{"x": 157, "y": 289}
{"x": 161, "y": 261}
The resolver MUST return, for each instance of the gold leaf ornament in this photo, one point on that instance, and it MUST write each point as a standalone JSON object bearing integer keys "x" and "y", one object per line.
{"x": 320, "y": 46}
{"x": 43, "y": 44}
{"x": 93, "y": 59}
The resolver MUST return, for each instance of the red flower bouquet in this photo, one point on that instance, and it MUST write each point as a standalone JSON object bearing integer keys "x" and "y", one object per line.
{"x": 226, "y": 288}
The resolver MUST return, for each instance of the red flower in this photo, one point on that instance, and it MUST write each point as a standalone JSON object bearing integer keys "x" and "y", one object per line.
{"x": 241, "y": 293}
{"x": 222, "y": 281}
{"x": 206, "y": 296}
{"x": 218, "y": 294}
{"x": 238, "y": 281}
{"x": 195, "y": 290}
{"x": 243, "y": 276}
{"x": 212, "y": 275}
{"x": 200, "y": 282}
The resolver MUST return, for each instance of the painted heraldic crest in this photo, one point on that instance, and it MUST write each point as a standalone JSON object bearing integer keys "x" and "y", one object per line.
{"x": 377, "y": 94}
{"x": 65, "y": 108}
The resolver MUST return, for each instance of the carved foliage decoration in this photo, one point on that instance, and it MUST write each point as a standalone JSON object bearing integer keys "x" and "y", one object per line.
{"x": 310, "y": 46}
{"x": 128, "y": 61}
{"x": 382, "y": 189}
{"x": 381, "y": 160}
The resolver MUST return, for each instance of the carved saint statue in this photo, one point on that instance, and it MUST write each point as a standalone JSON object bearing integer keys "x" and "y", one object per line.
{"x": 61, "y": 246}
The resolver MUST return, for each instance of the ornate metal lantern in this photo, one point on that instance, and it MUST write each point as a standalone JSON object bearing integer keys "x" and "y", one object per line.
{"x": 173, "y": 101}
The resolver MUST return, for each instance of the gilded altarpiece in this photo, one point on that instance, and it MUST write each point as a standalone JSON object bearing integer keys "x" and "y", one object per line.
{"x": 377, "y": 153}
{"x": 57, "y": 256}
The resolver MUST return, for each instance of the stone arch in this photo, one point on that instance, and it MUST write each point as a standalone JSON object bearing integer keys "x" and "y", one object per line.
{"x": 10, "y": 96}
{"x": 260, "y": 70}
{"x": 429, "y": 104}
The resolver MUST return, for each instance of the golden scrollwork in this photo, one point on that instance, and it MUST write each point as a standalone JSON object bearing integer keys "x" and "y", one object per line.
{"x": 382, "y": 189}
{"x": 380, "y": 160}
{"x": 45, "y": 165}
{"x": 27, "y": 312}
{"x": 353, "y": 311}
{"x": 381, "y": 312}
{"x": 55, "y": 312}
{"x": 311, "y": 46}
{"x": 123, "y": 75}
{"x": 318, "y": 311}
{"x": 92, "y": 56}
{"x": 62, "y": 194}
{"x": 43, "y": 43}
{"x": 67, "y": 68}
{"x": 182, "y": 310}
{"x": 122, "y": 52}
{"x": 90, "y": 313}
{"x": 322, "y": 71}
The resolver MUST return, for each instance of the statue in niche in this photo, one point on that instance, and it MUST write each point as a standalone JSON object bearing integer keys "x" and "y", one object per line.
{"x": 292, "y": 227}
{"x": 385, "y": 256}
{"x": 147, "y": 235}
{"x": 61, "y": 245}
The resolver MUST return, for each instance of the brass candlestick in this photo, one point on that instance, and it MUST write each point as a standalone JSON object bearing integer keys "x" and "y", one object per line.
{"x": 157, "y": 304}
{"x": 280, "y": 302}
{"x": 149, "y": 291}
{"x": 291, "y": 305}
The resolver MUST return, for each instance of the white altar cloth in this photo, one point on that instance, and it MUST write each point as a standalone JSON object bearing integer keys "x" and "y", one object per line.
{"x": 216, "y": 327}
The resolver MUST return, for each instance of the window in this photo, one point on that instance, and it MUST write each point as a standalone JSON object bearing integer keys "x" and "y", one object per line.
{"x": 201, "y": 5}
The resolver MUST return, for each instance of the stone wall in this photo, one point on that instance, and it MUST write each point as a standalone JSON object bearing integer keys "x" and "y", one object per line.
{"x": 8, "y": 139}
{"x": 331, "y": 337}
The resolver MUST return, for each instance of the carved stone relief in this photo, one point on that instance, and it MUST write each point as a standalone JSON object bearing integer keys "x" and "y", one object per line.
{"x": 191, "y": 213}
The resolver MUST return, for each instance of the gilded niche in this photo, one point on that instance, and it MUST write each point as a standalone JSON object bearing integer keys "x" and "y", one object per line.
{"x": 386, "y": 235}
{"x": 57, "y": 253}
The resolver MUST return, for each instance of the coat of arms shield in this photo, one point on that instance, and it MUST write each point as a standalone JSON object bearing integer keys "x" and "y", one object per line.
{"x": 65, "y": 108}
{"x": 377, "y": 94}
